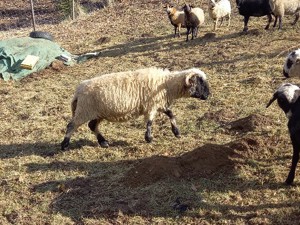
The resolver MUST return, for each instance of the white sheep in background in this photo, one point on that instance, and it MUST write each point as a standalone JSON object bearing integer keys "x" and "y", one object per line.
{"x": 194, "y": 17}
{"x": 122, "y": 96}
{"x": 219, "y": 10}
{"x": 291, "y": 67}
{"x": 287, "y": 96}
{"x": 285, "y": 7}
{"x": 176, "y": 17}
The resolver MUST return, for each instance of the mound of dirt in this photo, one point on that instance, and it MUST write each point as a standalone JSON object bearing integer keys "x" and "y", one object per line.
{"x": 254, "y": 122}
{"x": 201, "y": 162}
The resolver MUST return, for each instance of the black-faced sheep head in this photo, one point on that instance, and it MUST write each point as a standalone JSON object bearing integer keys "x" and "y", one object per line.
{"x": 187, "y": 8}
{"x": 291, "y": 66}
{"x": 286, "y": 95}
{"x": 197, "y": 84}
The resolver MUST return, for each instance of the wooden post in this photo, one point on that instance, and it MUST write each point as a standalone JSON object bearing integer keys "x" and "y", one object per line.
{"x": 32, "y": 15}
{"x": 73, "y": 10}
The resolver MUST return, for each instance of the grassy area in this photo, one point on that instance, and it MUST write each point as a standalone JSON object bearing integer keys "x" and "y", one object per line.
{"x": 227, "y": 168}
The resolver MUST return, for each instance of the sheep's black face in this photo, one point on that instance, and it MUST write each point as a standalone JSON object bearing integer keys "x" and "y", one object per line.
{"x": 283, "y": 102}
{"x": 199, "y": 88}
{"x": 186, "y": 8}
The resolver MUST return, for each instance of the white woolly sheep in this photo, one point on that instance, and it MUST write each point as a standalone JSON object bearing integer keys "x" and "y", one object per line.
{"x": 194, "y": 17}
{"x": 287, "y": 96}
{"x": 219, "y": 10}
{"x": 291, "y": 67}
{"x": 282, "y": 7}
{"x": 122, "y": 96}
{"x": 176, "y": 17}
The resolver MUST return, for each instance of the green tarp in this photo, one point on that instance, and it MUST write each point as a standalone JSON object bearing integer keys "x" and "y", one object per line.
{"x": 13, "y": 52}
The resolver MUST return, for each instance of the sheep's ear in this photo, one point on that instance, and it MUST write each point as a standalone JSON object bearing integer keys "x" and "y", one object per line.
{"x": 272, "y": 100}
{"x": 190, "y": 79}
{"x": 296, "y": 95}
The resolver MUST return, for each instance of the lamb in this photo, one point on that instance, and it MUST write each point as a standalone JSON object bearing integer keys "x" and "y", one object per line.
{"x": 118, "y": 97}
{"x": 291, "y": 67}
{"x": 176, "y": 17}
{"x": 287, "y": 96}
{"x": 255, "y": 8}
{"x": 219, "y": 10}
{"x": 194, "y": 17}
{"x": 282, "y": 7}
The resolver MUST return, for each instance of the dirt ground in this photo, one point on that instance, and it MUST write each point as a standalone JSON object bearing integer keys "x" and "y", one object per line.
{"x": 229, "y": 165}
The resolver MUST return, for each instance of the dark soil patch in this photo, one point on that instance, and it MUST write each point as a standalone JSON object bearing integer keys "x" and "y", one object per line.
{"x": 221, "y": 116}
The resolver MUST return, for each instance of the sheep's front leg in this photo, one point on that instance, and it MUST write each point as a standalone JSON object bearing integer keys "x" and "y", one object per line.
{"x": 148, "y": 136}
{"x": 93, "y": 125}
{"x": 175, "y": 129}
{"x": 296, "y": 149}
{"x": 246, "y": 20}
{"x": 149, "y": 119}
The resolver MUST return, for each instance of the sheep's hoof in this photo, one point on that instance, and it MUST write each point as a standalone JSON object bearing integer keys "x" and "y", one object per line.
{"x": 104, "y": 144}
{"x": 65, "y": 144}
{"x": 289, "y": 181}
{"x": 148, "y": 139}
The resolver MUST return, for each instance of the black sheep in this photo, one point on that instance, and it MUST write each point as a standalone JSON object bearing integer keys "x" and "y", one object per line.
{"x": 288, "y": 100}
{"x": 255, "y": 8}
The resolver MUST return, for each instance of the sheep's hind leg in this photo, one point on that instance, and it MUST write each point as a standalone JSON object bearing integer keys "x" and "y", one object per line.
{"x": 175, "y": 129}
{"x": 269, "y": 21}
{"x": 71, "y": 127}
{"x": 93, "y": 125}
{"x": 296, "y": 18}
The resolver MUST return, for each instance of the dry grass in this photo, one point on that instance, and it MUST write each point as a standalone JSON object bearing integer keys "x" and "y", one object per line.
{"x": 39, "y": 184}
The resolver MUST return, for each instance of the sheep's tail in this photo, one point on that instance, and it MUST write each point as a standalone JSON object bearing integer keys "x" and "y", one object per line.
{"x": 74, "y": 105}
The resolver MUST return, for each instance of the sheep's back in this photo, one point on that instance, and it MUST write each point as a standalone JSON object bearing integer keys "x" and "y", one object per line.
{"x": 196, "y": 17}
{"x": 291, "y": 6}
{"x": 222, "y": 9}
{"x": 255, "y": 8}
{"x": 178, "y": 18}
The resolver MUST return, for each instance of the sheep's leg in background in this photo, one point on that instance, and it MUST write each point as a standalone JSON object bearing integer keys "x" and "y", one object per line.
{"x": 71, "y": 127}
{"x": 246, "y": 20}
{"x": 269, "y": 21}
{"x": 229, "y": 17}
{"x": 175, "y": 31}
{"x": 175, "y": 129}
{"x": 296, "y": 150}
{"x": 94, "y": 127}
{"x": 178, "y": 29}
{"x": 149, "y": 119}
{"x": 296, "y": 18}
{"x": 187, "y": 33}
{"x": 221, "y": 21}
{"x": 275, "y": 22}
{"x": 280, "y": 23}
{"x": 216, "y": 23}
